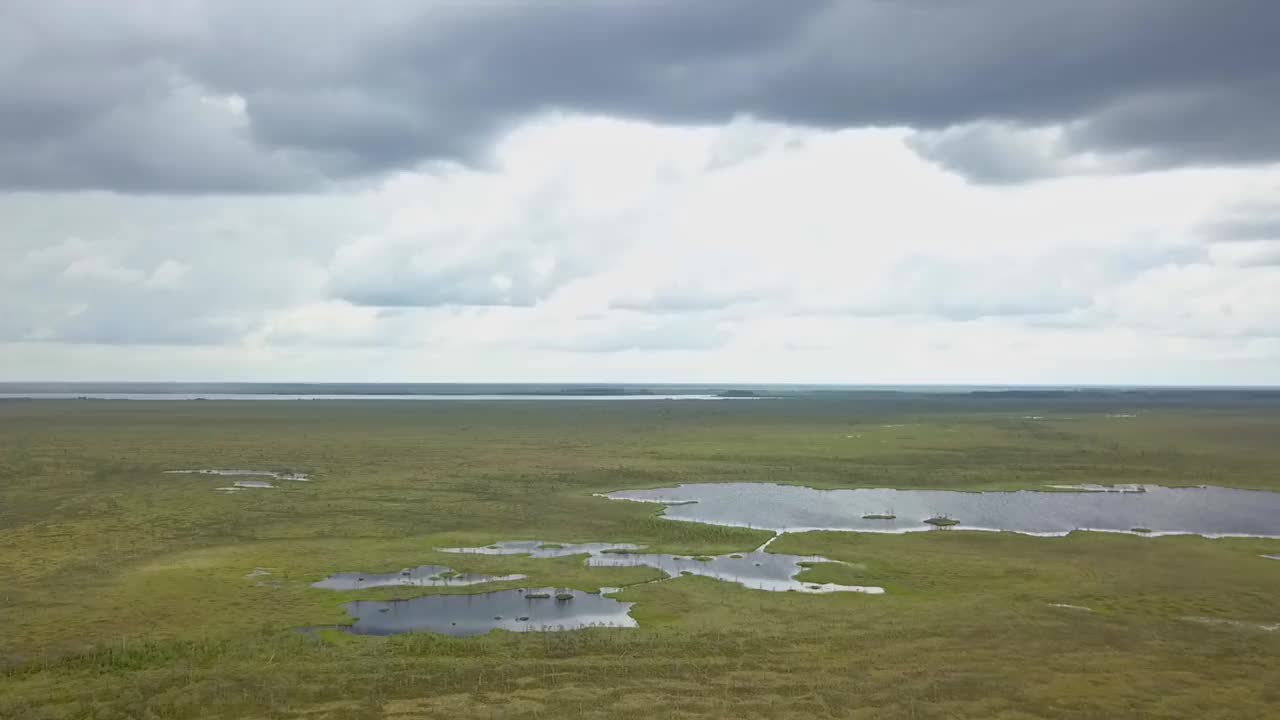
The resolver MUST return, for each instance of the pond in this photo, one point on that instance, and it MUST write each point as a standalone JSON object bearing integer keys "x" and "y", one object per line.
{"x": 278, "y": 475}
{"x": 539, "y": 549}
{"x": 531, "y": 610}
{"x": 1148, "y": 510}
{"x": 758, "y": 569}
{"x": 423, "y": 576}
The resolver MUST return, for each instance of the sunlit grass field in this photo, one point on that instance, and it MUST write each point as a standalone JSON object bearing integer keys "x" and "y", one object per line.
{"x": 123, "y": 590}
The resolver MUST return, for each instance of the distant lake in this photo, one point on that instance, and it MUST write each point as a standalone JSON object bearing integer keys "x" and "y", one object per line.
{"x": 1144, "y": 510}
{"x": 371, "y": 391}
{"x": 268, "y": 396}
{"x": 1122, "y": 398}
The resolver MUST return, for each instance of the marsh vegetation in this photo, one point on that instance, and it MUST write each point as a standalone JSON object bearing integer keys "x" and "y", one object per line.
{"x": 128, "y": 593}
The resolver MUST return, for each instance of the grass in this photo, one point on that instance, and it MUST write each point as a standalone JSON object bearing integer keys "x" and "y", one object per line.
{"x": 125, "y": 597}
{"x": 879, "y": 517}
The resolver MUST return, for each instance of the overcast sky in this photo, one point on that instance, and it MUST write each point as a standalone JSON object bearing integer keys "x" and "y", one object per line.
{"x": 974, "y": 191}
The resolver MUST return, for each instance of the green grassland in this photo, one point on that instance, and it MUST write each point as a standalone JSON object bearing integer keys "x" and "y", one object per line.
{"x": 123, "y": 590}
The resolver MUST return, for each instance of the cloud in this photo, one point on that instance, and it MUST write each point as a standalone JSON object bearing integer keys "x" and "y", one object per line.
{"x": 168, "y": 275}
{"x": 999, "y": 153}
{"x": 1265, "y": 227}
{"x": 1250, "y": 221}
{"x": 215, "y": 97}
{"x": 510, "y": 237}
{"x": 692, "y": 297}
{"x": 425, "y": 271}
{"x": 88, "y": 268}
{"x": 78, "y": 291}
{"x": 1262, "y": 253}
{"x": 632, "y": 332}
{"x": 1197, "y": 300}
{"x": 329, "y": 323}
{"x": 1055, "y": 281}
{"x": 1247, "y": 234}
{"x": 1153, "y": 130}
{"x": 610, "y": 250}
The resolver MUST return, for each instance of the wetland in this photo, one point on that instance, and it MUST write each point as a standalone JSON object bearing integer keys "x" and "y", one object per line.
{"x": 138, "y": 593}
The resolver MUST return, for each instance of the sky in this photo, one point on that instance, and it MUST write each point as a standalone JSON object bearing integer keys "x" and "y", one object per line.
{"x": 862, "y": 191}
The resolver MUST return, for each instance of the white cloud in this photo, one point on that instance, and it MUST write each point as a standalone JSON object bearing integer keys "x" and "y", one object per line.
{"x": 1247, "y": 253}
{"x": 596, "y": 249}
{"x": 1201, "y": 300}
{"x": 168, "y": 275}
{"x": 98, "y": 270}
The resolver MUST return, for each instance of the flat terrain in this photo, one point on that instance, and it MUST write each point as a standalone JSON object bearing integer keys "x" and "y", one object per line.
{"x": 123, "y": 590}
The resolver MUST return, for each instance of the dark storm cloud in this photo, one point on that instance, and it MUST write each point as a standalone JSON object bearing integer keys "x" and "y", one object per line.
{"x": 252, "y": 97}
{"x": 1228, "y": 125}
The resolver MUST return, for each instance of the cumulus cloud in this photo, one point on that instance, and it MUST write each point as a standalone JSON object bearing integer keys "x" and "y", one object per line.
{"x": 84, "y": 268}
{"x": 1262, "y": 253}
{"x": 1246, "y": 234}
{"x": 999, "y": 153}
{"x": 649, "y": 333}
{"x": 202, "y": 96}
{"x": 692, "y": 296}
{"x": 1252, "y": 220}
{"x": 639, "y": 191}
{"x": 1197, "y": 300}
{"x": 1153, "y": 130}
{"x": 423, "y": 271}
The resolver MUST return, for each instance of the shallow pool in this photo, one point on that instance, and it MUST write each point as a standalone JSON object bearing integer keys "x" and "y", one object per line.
{"x": 278, "y": 475}
{"x": 531, "y": 610}
{"x": 422, "y": 576}
{"x": 757, "y": 569}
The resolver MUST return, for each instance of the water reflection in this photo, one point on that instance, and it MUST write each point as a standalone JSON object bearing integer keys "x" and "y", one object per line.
{"x": 284, "y": 475}
{"x": 534, "y": 610}
{"x": 758, "y": 569}
{"x": 539, "y": 549}
{"x": 423, "y": 576}
{"x": 1207, "y": 511}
